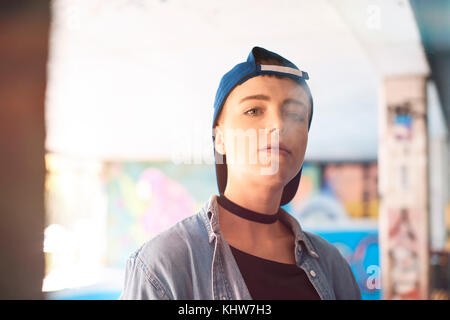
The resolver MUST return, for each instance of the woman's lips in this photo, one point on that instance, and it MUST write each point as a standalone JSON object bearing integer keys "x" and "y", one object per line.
{"x": 280, "y": 149}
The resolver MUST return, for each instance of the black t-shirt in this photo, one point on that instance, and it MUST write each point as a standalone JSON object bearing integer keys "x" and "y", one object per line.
{"x": 272, "y": 280}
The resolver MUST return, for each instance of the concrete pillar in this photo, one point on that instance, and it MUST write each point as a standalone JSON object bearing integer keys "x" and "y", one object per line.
{"x": 403, "y": 186}
{"x": 23, "y": 61}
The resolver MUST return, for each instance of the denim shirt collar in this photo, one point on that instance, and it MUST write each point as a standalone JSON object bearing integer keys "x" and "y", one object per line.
{"x": 211, "y": 219}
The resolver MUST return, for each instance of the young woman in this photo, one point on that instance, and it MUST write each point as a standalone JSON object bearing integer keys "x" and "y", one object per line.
{"x": 242, "y": 244}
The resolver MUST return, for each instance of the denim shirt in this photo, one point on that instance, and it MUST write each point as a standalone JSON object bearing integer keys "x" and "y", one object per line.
{"x": 192, "y": 260}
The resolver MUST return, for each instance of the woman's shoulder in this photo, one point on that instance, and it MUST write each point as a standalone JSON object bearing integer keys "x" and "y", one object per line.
{"x": 168, "y": 260}
{"x": 320, "y": 243}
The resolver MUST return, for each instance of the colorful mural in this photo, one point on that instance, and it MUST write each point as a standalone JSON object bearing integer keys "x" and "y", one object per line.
{"x": 339, "y": 202}
{"x": 355, "y": 185}
{"x": 147, "y": 198}
{"x": 361, "y": 250}
{"x": 138, "y": 200}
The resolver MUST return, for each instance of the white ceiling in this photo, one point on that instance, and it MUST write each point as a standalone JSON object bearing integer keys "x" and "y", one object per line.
{"x": 136, "y": 80}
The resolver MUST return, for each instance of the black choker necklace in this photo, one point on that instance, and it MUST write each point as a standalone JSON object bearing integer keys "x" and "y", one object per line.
{"x": 246, "y": 213}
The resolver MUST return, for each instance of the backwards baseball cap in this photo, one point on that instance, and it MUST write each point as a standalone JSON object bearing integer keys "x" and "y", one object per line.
{"x": 238, "y": 75}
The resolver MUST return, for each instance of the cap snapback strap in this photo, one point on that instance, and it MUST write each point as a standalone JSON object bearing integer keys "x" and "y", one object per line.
{"x": 283, "y": 69}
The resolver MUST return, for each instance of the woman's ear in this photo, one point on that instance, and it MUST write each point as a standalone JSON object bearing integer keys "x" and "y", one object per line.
{"x": 219, "y": 143}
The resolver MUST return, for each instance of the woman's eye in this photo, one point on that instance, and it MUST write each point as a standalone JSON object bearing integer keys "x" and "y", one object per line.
{"x": 252, "y": 111}
{"x": 296, "y": 116}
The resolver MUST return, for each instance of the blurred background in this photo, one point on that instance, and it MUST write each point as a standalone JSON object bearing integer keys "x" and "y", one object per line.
{"x": 106, "y": 107}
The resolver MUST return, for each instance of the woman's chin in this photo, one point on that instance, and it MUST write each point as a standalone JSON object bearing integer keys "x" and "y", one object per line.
{"x": 278, "y": 177}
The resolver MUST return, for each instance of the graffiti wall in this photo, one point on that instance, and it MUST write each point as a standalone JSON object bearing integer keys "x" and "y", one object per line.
{"x": 147, "y": 198}
{"x": 339, "y": 201}
{"x": 108, "y": 210}
{"x": 354, "y": 185}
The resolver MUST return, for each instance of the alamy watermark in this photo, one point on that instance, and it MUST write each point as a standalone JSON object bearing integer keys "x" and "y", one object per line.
{"x": 248, "y": 147}
{"x": 374, "y": 279}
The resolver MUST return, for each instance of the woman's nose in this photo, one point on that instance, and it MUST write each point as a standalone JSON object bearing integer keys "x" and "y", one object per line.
{"x": 276, "y": 125}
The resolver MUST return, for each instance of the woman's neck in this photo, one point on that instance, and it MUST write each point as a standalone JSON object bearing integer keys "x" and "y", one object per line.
{"x": 255, "y": 199}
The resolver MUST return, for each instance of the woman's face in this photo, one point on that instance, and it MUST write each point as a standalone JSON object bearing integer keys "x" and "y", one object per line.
{"x": 246, "y": 126}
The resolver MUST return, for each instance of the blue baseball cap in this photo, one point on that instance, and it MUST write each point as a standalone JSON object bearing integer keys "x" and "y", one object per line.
{"x": 238, "y": 75}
